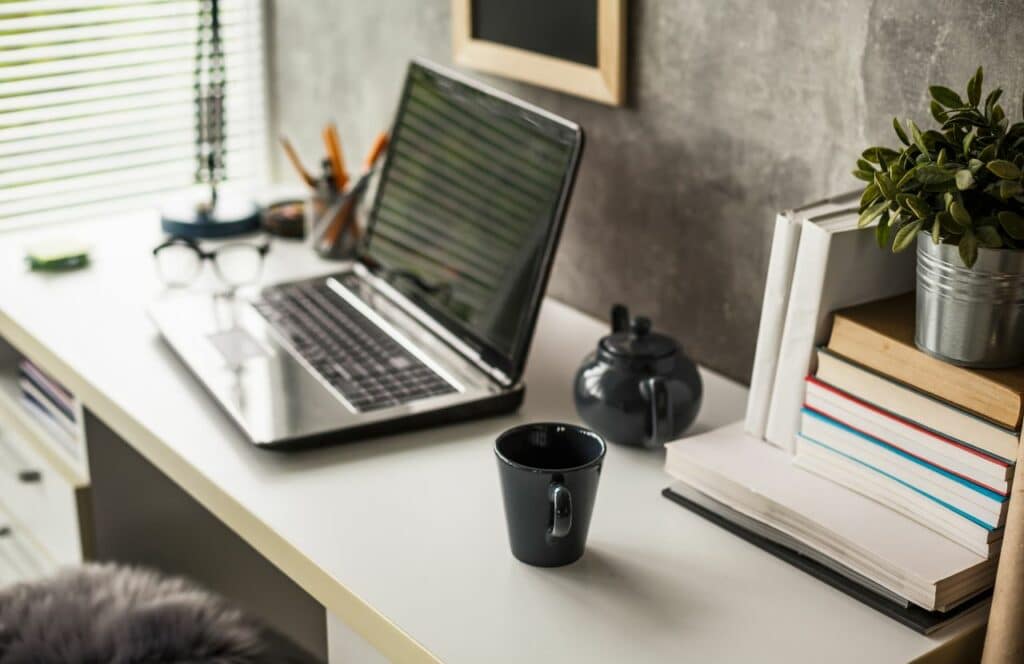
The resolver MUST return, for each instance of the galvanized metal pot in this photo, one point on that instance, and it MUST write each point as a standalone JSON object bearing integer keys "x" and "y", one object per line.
{"x": 972, "y": 317}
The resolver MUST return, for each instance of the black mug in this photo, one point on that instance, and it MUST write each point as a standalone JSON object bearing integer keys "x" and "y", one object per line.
{"x": 549, "y": 476}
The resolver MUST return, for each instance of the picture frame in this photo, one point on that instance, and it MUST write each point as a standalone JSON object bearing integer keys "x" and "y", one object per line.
{"x": 604, "y": 83}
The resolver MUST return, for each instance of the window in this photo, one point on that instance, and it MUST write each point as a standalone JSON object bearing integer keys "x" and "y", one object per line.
{"x": 97, "y": 108}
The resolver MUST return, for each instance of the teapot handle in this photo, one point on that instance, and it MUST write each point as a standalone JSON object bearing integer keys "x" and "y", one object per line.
{"x": 659, "y": 408}
{"x": 620, "y": 318}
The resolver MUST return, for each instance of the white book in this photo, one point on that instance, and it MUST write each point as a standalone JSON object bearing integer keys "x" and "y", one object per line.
{"x": 838, "y": 265}
{"x": 778, "y": 282}
{"x": 895, "y": 496}
{"x": 948, "y": 454}
{"x": 963, "y": 498}
{"x": 900, "y": 554}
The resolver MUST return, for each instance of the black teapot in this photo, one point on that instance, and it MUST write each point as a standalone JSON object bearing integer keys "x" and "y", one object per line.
{"x": 638, "y": 388}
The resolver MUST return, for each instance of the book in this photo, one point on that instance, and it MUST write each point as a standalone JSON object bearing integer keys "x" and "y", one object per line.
{"x": 949, "y": 455}
{"x": 880, "y": 336}
{"x": 917, "y": 408}
{"x": 823, "y": 568}
{"x": 57, "y": 414}
{"x": 55, "y": 392}
{"x": 899, "y": 497}
{"x": 778, "y": 281}
{"x": 960, "y": 496}
{"x": 831, "y": 249}
{"x": 905, "y": 557}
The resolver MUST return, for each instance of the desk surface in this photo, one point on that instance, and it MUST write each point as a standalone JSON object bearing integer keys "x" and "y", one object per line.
{"x": 403, "y": 538}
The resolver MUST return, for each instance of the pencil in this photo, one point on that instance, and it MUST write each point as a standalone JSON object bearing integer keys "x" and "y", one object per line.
{"x": 293, "y": 157}
{"x": 378, "y": 147}
{"x": 333, "y": 145}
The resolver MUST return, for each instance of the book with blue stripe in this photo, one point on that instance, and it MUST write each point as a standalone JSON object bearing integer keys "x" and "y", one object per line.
{"x": 968, "y": 513}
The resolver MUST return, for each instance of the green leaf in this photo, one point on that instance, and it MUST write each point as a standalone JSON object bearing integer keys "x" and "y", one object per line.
{"x": 964, "y": 179}
{"x": 945, "y": 96}
{"x": 885, "y": 185}
{"x": 882, "y": 231}
{"x": 864, "y": 175}
{"x": 869, "y": 215}
{"x": 937, "y": 112}
{"x": 870, "y": 194}
{"x": 969, "y": 139}
{"x": 936, "y": 232}
{"x": 900, "y": 132}
{"x": 864, "y": 166}
{"x": 950, "y": 226}
{"x": 907, "y": 178}
{"x": 942, "y": 158}
{"x": 1009, "y": 189}
{"x": 905, "y": 236}
{"x": 991, "y": 99}
{"x": 1012, "y": 223}
{"x": 1006, "y": 170}
{"x": 878, "y": 155}
{"x": 988, "y": 236}
{"x": 997, "y": 115}
{"x": 975, "y": 165}
{"x": 915, "y": 204}
{"x": 974, "y": 87}
{"x": 931, "y": 174}
{"x": 988, "y": 153}
{"x": 960, "y": 214}
{"x": 968, "y": 248}
{"x": 919, "y": 139}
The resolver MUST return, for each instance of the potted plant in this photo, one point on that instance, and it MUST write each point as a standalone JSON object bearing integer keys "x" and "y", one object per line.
{"x": 957, "y": 193}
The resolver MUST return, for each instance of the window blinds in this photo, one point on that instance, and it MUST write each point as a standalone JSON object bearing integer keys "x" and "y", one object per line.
{"x": 97, "y": 108}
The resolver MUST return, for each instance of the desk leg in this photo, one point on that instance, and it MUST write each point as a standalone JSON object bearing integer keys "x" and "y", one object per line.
{"x": 345, "y": 646}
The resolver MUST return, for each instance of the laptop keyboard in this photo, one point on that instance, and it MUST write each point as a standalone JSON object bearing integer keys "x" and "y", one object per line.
{"x": 360, "y": 360}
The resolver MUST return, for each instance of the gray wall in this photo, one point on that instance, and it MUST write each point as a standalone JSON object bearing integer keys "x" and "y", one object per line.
{"x": 735, "y": 110}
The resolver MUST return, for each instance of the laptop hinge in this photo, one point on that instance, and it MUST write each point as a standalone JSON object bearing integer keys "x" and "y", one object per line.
{"x": 423, "y": 318}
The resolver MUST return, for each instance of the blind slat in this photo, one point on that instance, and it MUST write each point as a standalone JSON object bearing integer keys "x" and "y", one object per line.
{"x": 67, "y": 147}
{"x": 97, "y": 102}
{"x": 53, "y": 195}
{"x": 118, "y": 42}
{"x": 59, "y": 168}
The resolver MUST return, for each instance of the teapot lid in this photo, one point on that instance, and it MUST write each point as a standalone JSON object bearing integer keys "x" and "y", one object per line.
{"x": 638, "y": 342}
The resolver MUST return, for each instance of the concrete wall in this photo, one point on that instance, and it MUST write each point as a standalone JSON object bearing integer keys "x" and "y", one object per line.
{"x": 736, "y": 109}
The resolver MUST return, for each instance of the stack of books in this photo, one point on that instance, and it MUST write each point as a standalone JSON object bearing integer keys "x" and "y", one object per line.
{"x": 861, "y": 460}
{"x": 53, "y": 406}
{"x": 930, "y": 440}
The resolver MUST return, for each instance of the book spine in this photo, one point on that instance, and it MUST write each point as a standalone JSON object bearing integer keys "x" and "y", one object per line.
{"x": 773, "y": 315}
{"x": 797, "y": 345}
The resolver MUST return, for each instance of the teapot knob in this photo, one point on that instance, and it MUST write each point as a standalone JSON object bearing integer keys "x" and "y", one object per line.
{"x": 641, "y": 326}
{"x": 620, "y": 318}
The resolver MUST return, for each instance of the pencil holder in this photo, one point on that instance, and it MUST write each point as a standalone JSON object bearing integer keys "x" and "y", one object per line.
{"x": 333, "y": 220}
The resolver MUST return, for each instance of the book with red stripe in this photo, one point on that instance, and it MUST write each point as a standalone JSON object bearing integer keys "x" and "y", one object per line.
{"x": 946, "y": 453}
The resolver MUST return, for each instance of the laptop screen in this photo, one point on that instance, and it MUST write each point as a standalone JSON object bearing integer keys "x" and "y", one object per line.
{"x": 469, "y": 208}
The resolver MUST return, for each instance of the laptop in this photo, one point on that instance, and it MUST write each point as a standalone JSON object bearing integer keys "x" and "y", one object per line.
{"x": 432, "y": 322}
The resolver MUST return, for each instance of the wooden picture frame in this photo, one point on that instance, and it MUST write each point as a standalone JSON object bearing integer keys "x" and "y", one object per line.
{"x": 604, "y": 83}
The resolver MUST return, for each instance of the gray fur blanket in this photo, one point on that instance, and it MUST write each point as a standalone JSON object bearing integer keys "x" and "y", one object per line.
{"x": 105, "y": 613}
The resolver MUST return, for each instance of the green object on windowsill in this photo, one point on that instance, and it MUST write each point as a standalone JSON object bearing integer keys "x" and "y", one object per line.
{"x": 57, "y": 256}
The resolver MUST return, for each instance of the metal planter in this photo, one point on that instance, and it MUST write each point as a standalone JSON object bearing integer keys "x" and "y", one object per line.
{"x": 972, "y": 317}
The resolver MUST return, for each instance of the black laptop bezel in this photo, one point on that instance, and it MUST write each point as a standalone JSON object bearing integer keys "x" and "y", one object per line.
{"x": 511, "y": 364}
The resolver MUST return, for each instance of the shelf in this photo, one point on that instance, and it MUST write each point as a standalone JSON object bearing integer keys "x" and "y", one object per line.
{"x": 74, "y": 469}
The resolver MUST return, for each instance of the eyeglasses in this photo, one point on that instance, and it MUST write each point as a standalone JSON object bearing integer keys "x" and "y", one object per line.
{"x": 179, "y": 261}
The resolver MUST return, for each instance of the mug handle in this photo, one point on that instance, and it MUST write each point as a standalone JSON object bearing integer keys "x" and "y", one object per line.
{"x": 561, "y": 507}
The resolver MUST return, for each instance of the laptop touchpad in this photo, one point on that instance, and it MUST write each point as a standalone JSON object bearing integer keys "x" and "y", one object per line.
{"x": 236, "y": 346}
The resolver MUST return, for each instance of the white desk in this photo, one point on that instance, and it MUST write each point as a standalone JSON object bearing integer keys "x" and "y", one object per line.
{"x": 402, "y": 539}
